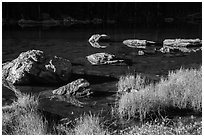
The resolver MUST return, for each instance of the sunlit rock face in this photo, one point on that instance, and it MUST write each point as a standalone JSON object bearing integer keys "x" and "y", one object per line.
{"x": 103, "y": 58}
{"x": 79, "y": 87}
{"x": 35, "y": 66}
{"x": 96, "y": 38}
{"x": 136, "y": 43}
{"x": 169, "y": 49}
{"x": 181, "y": 45}
{"x": 182, "y": 42}
{"x": 99, "y": 38}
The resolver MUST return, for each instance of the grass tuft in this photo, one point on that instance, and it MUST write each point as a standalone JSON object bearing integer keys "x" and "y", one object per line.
{"x": 130, "y": 82}
{"x": 30, "y": 124}
{"x": 89, "y": 125}
{"x": 182, "y": 89}
{"x": 23, "y": 118}
{"x": 26, "y": 102}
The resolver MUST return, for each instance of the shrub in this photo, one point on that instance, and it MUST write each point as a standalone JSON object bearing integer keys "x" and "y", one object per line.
{"x": 182, "y": 89}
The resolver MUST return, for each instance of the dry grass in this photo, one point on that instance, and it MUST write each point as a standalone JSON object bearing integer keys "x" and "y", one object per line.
{"x": 89, "y": 125}
{"x": 181, "y": 90}
{"x": 133, "y": 103}
{"x": 26, "y": 102}
{"x": 129, "y": 82}
{"x": 23, "y": 118}
{"x": 165, "y": 127}
{"x": 30, "y": 124}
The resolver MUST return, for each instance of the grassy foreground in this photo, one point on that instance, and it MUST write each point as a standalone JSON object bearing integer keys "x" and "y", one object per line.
{"x": 23, "y": 118}
{"x": 181, "y": 90}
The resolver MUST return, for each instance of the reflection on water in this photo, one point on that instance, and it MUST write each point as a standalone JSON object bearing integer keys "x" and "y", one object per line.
{"x": 72, "y": 43}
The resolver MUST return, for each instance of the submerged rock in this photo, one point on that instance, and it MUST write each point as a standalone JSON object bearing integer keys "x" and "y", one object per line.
{"x": 35, "y": 66}
{"x": 182, "y": 42}
{"x": 140, "y": 52}
{"x": 32, "y": 23}
{"x": 97, "y": 21}
{"x": 50, "y": 22}
{"x": 79, "y": 87}
{"x": 135, "y": 43}
{"x": 23, "y": 21}
{"x": 165, "y": 49}
{"x": 103, "y": 58}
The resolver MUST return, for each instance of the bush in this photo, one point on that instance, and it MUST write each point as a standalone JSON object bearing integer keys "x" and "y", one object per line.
{"x": 182, "y": 89}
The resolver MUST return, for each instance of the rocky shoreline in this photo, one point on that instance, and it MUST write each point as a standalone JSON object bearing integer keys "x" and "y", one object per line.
{"x": 36, "y": 67}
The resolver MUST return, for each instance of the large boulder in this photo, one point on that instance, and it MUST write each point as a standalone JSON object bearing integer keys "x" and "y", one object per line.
{"x": 136, "y": 43}
{"x": 103, "y": 58}
{"x": 182, "y": 42}
{"x": 35, "y": 66}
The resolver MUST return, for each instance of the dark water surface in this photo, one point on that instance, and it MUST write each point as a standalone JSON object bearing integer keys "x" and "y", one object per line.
{"x": 72, "y": 43}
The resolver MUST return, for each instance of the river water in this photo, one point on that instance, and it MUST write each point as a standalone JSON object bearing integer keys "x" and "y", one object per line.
{"x": 72, "y": 43}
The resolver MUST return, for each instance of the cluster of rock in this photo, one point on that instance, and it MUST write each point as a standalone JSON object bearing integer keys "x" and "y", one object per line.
{"x": 169, "y": 45}
{"x": 145, "y": 47}
{"x": 35, "y": 66}
{"x": 66, "y": 21}
{"x": 181, "y": 45}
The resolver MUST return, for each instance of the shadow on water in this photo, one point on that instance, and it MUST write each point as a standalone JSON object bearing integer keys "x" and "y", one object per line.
{"x": 92, "y": 79}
